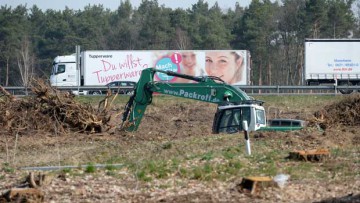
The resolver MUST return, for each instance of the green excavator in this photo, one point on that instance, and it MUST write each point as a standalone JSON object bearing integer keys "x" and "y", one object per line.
{"x": 234, "y": 105}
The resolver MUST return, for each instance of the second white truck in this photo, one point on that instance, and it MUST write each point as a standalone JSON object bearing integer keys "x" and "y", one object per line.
{"x": 332, "y": 61}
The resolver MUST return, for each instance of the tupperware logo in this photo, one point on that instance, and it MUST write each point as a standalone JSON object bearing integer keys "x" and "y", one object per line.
{"x": 98, "y": 56}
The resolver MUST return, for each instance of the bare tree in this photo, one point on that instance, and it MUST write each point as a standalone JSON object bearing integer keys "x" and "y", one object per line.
{"x": 182, "y": 39}
{"x": 25, "y": 62}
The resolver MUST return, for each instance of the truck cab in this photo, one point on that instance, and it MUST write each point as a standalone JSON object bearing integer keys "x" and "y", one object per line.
{"x": 64, "y": 71}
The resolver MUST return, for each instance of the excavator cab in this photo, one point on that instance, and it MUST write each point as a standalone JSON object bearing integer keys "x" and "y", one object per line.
{"x": 229, "y": 118}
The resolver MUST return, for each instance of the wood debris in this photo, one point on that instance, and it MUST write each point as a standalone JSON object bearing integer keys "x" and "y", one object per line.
{"x": 50, "y": 110}
{"x": 345, "y": 112}
{"x": 310, "y": 155}
{"x": 27, "y": 191}
{"x": 255, "y": 184}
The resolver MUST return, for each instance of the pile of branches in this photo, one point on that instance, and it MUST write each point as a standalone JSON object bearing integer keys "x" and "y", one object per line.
{"x": 345, "y": 112}
{"x": 51, "y": 110}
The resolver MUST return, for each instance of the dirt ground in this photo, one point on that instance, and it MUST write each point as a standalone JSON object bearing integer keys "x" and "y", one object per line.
{"x": 177, "y": 121}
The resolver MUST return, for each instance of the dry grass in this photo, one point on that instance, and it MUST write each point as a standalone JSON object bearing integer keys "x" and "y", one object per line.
{"x": 170, "y": 153}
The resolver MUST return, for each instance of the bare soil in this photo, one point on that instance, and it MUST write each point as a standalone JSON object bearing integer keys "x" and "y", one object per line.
{"x": 85, "y": 142}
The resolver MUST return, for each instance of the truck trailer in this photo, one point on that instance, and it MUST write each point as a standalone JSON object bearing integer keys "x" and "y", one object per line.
{"x": 96, "y": 68}
{"x": 332, "y": 61}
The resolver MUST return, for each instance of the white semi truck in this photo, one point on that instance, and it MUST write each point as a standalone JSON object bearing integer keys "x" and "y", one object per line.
{"x": 98, "y": 68}
{"x": 332, "y": 61}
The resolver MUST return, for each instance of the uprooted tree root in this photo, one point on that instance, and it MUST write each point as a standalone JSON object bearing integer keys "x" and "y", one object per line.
{"x": 345, "y": 112}
{"x": 49, "y": 110}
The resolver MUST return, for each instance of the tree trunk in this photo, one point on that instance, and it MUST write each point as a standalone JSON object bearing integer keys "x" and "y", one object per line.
{"x": 25, "y": 63}
{"x": 269, "y": 73}
{"x": 7, "y": 72}
{"x": 260, "y": 75}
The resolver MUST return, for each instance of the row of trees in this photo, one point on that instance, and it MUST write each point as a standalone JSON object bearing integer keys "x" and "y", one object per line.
{"x": 274, "y": 32}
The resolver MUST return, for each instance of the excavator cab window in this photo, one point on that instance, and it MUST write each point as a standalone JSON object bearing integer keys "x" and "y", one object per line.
{"x": 230, "y": 120}
{"x": 260, "y": 117}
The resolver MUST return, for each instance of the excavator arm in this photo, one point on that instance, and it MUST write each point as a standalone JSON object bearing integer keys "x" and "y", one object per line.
{"x": 206, "y": 89}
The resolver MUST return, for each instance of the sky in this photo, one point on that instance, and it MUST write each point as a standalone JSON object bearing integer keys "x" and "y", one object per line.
{"x": 114, "y": 4}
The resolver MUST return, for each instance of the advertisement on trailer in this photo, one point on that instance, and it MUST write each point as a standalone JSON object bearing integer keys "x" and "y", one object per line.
{"x": 102, "y": 67}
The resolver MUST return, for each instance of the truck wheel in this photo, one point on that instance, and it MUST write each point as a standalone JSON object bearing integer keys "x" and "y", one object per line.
{"x": 130, "y": 92}
{"x": 345, "y": 91}
{"x": 96, "y": 93}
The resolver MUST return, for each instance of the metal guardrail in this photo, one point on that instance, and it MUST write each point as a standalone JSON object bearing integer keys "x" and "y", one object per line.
{"x": 285, "y": 90}
{"x": 251, "y": 90}
{"x": 26, "y": 91}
